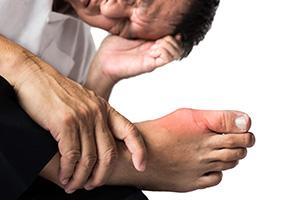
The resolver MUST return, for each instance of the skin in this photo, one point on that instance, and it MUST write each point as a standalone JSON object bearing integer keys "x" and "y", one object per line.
{"x": 81, "y": 152}
{"x": 119, "y": 58}
{"x": 144, "y": 19}
{"x": 83, "y": 124}
{"x": 211, "y": 139}
{"x": 134, "y": 20}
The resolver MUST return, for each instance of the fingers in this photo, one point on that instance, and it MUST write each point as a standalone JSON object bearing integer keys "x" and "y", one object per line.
{"x": 88, "y": 158}
{"x": 225, "y": 121}
{"x": 228, "y": 155}
{"x": 175, "y": 42}
{"x": 107, "y": 155}
{"x": 232, "y": 140}
{"x": 69, "y": 147}
{"x": 127, "y": 132}
{"x": 166, "y": 50}
{"x": 210, "y": 179}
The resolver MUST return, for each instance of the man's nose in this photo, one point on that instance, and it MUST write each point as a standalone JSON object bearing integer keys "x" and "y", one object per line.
{"x": 117, "y": 8}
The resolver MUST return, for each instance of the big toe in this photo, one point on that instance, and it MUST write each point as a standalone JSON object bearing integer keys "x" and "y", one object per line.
{"x": 227, "y": 121}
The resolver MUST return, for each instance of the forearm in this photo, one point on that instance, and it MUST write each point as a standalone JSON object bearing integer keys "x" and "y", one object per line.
{"x": 12, "y": 59}
{"x": 97, "y": 81}
{"x": 18, "y": 63}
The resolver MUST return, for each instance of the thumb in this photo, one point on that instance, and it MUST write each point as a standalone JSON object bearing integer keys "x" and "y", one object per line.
{"x": 124, "y": 130}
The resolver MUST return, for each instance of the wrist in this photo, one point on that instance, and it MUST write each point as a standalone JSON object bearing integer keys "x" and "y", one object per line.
{"x": 11, "y": 60}
{"x": 100, "y": 82}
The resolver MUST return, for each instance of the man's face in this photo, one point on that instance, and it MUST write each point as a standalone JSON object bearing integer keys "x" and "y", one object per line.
{"x": 145, "y": 19}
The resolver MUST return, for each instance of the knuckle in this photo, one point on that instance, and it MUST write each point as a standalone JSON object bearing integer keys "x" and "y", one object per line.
{"x": 109, "y": 158}
{"x": 83, "y": 111}
{"x": 169, "y": 37}
{"x": 101, "y": 109}
{"x": 165, "y": 42}
{"x": 72, "y": 155}
{"x": 132, "y": 130}
{"x": 89, "y": 161}
{"x": 94, "y": 107}
{"x": 92, "y": 94}
{"x": 68, "y": 118}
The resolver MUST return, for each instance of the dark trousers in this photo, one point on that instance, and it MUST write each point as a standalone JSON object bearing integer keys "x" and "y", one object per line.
{"x": 25, "y": 148}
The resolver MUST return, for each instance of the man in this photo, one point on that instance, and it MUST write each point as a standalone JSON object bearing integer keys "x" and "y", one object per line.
{"x": 33, "y": 80}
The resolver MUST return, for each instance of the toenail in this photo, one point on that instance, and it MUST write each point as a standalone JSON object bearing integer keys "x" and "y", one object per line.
{"x": 241, "y": 122}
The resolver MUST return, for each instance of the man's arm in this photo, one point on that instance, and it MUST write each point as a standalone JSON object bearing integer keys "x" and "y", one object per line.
{"x": 187, "y": 150}
{"x": 119, "y": 58}
{"x": 75, "y": 116}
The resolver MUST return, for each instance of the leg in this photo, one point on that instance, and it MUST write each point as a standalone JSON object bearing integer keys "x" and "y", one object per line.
{"x": 25, "y": 148}
{"x": 45, "y": 190}
{"x": 20, "y": 137}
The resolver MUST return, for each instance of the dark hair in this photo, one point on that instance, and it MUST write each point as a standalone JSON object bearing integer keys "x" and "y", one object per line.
{"x": 196, "y": 22}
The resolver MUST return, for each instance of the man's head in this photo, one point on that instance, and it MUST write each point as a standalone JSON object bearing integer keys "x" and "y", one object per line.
{"x": 150, "y": 19}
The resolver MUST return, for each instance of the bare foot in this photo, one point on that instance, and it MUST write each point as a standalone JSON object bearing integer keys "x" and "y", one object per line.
{"x": 187, "y": 150}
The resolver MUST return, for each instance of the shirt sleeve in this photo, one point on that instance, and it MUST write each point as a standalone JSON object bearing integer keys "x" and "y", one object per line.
{"x": 25, "y": 147}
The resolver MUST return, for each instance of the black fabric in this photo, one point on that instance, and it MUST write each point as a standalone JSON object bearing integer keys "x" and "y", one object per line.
{"x": 25, "y": 148}
{"x": 45, "y": 190}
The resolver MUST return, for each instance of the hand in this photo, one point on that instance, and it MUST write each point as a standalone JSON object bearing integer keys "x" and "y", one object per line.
{"x": 82, "y": 123}
{"x": 120, "y": 58}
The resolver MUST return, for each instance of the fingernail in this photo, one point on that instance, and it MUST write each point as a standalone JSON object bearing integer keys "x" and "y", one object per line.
{"x": 241, "y": 122}
{"x": 65, "y": 181}
{"x": 142, "y": 166}
{"x": 69, "y": 191}
{"x": 88, "y": 187}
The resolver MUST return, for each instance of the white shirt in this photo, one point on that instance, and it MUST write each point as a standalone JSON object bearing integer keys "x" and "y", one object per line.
{"x": 61, "y": 40}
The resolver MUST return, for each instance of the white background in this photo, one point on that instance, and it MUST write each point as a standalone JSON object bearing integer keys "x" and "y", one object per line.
{"x": 249, "y": 61}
